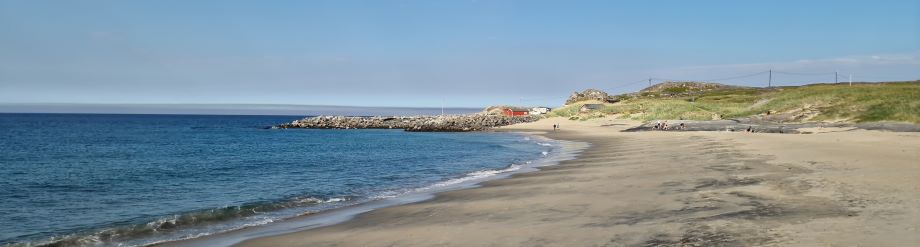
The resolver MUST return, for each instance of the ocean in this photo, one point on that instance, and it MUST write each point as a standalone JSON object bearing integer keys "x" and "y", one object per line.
{"x": 123, "y": 180}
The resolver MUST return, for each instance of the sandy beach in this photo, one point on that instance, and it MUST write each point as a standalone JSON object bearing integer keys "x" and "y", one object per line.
{"x": 837, "y": 187}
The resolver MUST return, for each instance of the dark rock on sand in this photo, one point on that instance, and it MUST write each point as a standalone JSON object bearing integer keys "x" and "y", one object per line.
{"x": 760, "y": 126}
{"x": 724, "y": 125}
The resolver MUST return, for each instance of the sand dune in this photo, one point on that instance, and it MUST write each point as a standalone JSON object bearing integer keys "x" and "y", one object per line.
{"x": 850, "y": 188}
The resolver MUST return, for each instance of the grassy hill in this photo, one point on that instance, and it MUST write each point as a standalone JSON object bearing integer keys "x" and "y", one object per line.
{"x": 861, "y": 102}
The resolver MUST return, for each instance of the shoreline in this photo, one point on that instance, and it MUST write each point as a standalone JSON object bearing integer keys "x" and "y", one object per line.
{"x": 667, "y": 189}
{"x": 563, "y": 150}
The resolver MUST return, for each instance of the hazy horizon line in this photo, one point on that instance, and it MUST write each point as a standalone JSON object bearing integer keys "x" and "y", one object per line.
{"x": 226, "y": 109}
{"x": 233, "y": 104}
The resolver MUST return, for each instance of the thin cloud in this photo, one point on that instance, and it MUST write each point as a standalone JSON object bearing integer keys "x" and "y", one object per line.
{"x": 879, "y": 67}
{"x": 806, "y": 64}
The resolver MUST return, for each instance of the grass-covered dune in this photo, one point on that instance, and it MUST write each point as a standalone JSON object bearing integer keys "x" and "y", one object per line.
{"x": 861, "y": 102}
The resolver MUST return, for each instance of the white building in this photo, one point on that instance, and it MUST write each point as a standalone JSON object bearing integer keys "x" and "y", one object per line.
{"x": 539, "y": 110}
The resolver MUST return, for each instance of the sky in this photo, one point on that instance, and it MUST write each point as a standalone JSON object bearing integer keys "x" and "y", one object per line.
{"x": 433, "y": 53}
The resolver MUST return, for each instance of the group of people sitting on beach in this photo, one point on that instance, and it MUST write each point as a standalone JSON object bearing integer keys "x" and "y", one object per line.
{"x": 659, "y": 125}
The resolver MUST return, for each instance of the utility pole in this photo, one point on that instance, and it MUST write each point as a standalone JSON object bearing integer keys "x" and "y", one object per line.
{"x": 649, "y": 81}
{"x": 835, "y": 77}
{"x": 851, "y": 79}
{"x": 770, "y": 80}
{"x": 442, "y": 107}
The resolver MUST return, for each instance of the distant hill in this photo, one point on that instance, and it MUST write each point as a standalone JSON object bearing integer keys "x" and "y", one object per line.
{"x": 861, "y": 102}
{"x": 685, "y": 87}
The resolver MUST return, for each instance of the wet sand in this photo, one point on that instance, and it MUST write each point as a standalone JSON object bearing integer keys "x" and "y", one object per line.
{"x": 832, "y": 188}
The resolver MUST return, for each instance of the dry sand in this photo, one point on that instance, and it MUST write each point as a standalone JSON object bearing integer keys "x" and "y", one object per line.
{"x": 837, "y": 188}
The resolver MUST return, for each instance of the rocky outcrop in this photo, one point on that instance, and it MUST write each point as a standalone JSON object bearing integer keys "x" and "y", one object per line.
{"x": 451, "y": 123}
{"x": 591, "y": 94}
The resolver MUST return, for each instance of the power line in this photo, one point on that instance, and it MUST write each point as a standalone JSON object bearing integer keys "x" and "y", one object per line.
{"x": 738, "y": 77}
{"x": 722, "y": 78}
{"x": 624, "y": 85}
{"x": 770, "y": 80}
{"x": 802, "y": 74}
{"x": 666, "y": 79}
{"x": 539, "y": 99}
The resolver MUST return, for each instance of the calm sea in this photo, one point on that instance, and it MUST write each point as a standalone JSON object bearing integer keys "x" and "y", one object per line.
{"x": 90, "y": 179}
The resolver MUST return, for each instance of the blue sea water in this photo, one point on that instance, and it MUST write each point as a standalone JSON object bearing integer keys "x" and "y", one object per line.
{"x": 90, "y": 179}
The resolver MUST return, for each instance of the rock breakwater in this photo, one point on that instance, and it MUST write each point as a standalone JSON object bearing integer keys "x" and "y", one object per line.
{"x": 450, "y": 123}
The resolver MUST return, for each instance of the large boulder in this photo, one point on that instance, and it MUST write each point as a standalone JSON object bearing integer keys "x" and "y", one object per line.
{"x": 590, "y": 94}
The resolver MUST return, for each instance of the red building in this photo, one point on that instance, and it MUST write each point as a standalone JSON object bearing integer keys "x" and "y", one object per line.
{"x": 515, "y": 112}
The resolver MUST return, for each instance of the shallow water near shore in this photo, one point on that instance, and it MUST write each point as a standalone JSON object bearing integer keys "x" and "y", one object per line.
{"x": 561, "y": 151}
{"x": 110, "y": 180}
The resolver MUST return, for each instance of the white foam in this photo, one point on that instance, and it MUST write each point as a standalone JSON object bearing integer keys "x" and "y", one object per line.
{"x": 477, "y": 175}
{"x": 310, "y": 200}
{"x": 385, "y": 195}
{"x": 314, "y": 200}
{"x": 336, "y": 199}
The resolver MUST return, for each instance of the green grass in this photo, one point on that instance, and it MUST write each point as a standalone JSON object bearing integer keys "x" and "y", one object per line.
{"x": 858, "y": 103}
{"x": 565, "y": 111}
{"x": 570, "y": 110}
{"x": 573, "y": 111}
{"x": 675, "y": 90}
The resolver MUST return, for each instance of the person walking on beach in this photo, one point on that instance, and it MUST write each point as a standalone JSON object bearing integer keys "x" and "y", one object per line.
{"x": 554, "y": 128}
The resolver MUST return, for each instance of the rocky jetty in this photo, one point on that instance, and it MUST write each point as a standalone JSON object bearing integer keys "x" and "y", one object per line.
{"x": 450, "y": 123}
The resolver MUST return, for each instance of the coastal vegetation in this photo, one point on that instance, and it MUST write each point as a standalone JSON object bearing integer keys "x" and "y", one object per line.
{"x": 860, "y": 102}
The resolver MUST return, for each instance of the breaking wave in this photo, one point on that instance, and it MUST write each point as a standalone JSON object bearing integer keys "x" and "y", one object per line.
{"x": 475, "y": 176}
{"x": 191, "y": 224}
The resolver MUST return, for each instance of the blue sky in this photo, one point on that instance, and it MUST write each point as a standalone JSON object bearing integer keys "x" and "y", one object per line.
{"x": 423, "y": 53}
